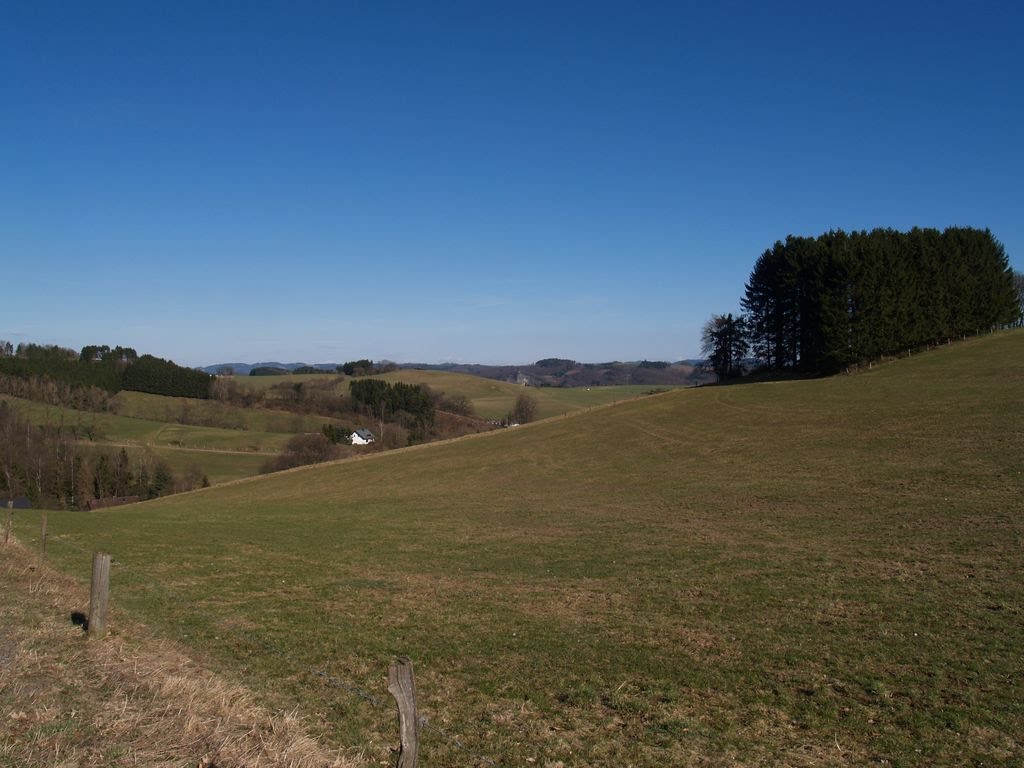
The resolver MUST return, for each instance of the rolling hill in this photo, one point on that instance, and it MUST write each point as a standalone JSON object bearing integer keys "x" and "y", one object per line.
{"x": 815, "y": 572}
{"x": 551, "y": 372}
{"x": 491, "y": 399}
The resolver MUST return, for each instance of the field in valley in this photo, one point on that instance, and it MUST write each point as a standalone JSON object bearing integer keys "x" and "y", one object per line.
{"x": 155, "y": 432}
{"x": 184, "y": 410}
{"x": 228, "y": 442}
{"x": 491, "y": 399}
{"x": 822, "y": 572}
{"x": 221, "y": 454}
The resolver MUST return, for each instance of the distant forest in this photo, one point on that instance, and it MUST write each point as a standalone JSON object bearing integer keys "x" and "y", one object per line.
{"x": 110, "y": 370}
{"x": 49, "y": 463}
{"x": 820, "y": 304}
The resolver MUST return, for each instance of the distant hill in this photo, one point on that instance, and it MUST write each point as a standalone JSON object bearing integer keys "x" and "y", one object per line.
{"x": 243, "y": 369}
{"x": 558, "y": 372}
{"x": 550, "y": 372}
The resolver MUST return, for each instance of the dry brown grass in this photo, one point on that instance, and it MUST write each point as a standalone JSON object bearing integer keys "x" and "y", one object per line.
{"x": 127, "y": 700}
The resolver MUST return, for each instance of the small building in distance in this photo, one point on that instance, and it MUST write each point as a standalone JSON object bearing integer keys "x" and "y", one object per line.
{"x": 362, "y": 437}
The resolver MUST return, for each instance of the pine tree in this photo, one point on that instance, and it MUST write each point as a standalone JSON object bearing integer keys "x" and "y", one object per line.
{"x": 724, "y": 344}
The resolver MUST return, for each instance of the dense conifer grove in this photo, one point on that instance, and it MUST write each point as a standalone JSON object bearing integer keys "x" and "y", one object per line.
{"x": 104, "y": 368}
{"x": 409, "y": 404}
{"x": 821, "y": 304}
{"x": 162, "y": 377}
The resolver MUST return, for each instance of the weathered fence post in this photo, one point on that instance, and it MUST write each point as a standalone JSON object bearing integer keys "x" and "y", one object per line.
{"x": 402, "y": 685}
{"x": 99, "y": 595}
{"x": 42, "y": 541}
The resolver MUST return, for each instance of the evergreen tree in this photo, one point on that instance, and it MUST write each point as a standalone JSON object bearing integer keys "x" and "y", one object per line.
{"x": 820, "y": 304}
{"x": 724, "y": 344}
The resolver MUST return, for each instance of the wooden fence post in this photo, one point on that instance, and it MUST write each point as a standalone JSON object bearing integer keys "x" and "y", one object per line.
{"x": 99, "y": 595}
{"x": 42, "y": 541}
{"x": 402, "y": 685}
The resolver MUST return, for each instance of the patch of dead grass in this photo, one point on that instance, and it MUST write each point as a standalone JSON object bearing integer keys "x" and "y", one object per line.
{"x": 66, "y": 700}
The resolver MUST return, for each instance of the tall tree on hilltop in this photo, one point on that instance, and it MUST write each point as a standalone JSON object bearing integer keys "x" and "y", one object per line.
{"x": 818, "y": 304}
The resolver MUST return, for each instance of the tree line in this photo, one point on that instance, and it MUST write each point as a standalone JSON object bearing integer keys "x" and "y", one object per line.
{"x": 411, "y": 405}
{"x": 43, "y": 389}
{"x": 820, "y": 304}
{"x": 99, "y": 366}
{"x": 49, "y": 466}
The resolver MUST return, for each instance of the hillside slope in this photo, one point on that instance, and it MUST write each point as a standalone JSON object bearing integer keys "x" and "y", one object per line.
{"x": 806, "y": 573}
{"x": 491, "y": 399}
{"x": 128, "y": 701}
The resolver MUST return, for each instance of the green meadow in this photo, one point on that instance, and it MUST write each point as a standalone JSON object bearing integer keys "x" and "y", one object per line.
{"x": 494, "y": 399}
{"x": 266, "y": 382}
{"x": 117, "y": 429}
{"x": 140, "y": 405}
{"x": 491, "y": 399}
{"x": 217, "y": 466}
{"x": 822, "y": 572}
{"x": 218, "y": 453}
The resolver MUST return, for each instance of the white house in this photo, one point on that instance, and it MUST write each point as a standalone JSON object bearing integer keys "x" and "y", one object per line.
{"x": 362, "y": 437}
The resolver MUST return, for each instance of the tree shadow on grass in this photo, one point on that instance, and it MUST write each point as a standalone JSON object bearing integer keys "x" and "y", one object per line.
{"x": 774, "y": 376}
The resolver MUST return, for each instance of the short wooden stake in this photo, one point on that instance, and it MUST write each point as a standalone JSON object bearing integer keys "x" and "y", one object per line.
{"x": 99, "y": 595}
{"x": 402, "y": 685}
{"x": 42, "y": 541}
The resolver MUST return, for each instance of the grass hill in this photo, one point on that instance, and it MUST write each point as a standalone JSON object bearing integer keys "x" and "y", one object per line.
{"x": 560, "y": 372}
{"x": 491, "y": 399}
{"x": 814, "y": 572}
{"x": 144, "y": 424}
{"x": 190, "y": 411}
{"x": 551, "y": 372}
{"x": 494, "y": 399}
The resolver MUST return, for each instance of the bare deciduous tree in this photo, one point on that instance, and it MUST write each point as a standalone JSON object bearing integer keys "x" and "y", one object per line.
{"x": 524, "y": 410}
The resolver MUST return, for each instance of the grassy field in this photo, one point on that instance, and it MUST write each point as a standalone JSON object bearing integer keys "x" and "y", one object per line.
{"x": 218, "y": 466}
{"x": 266, "y": 382}
{"x": 127, "y": 430}
{"x": 807, "y": 573}
{"x": 132, "y": 700}
{"x": 140, "y": 405}
{"x": 491, "y": 399}
{"x": 220, "y": 454}
{"x": 494, "y": 399}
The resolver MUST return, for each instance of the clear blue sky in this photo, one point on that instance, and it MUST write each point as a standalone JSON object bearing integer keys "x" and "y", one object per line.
{"x": 472, "y": 181}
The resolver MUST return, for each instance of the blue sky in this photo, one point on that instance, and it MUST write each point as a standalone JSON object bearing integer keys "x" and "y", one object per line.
{"x": 472, "y": 181}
